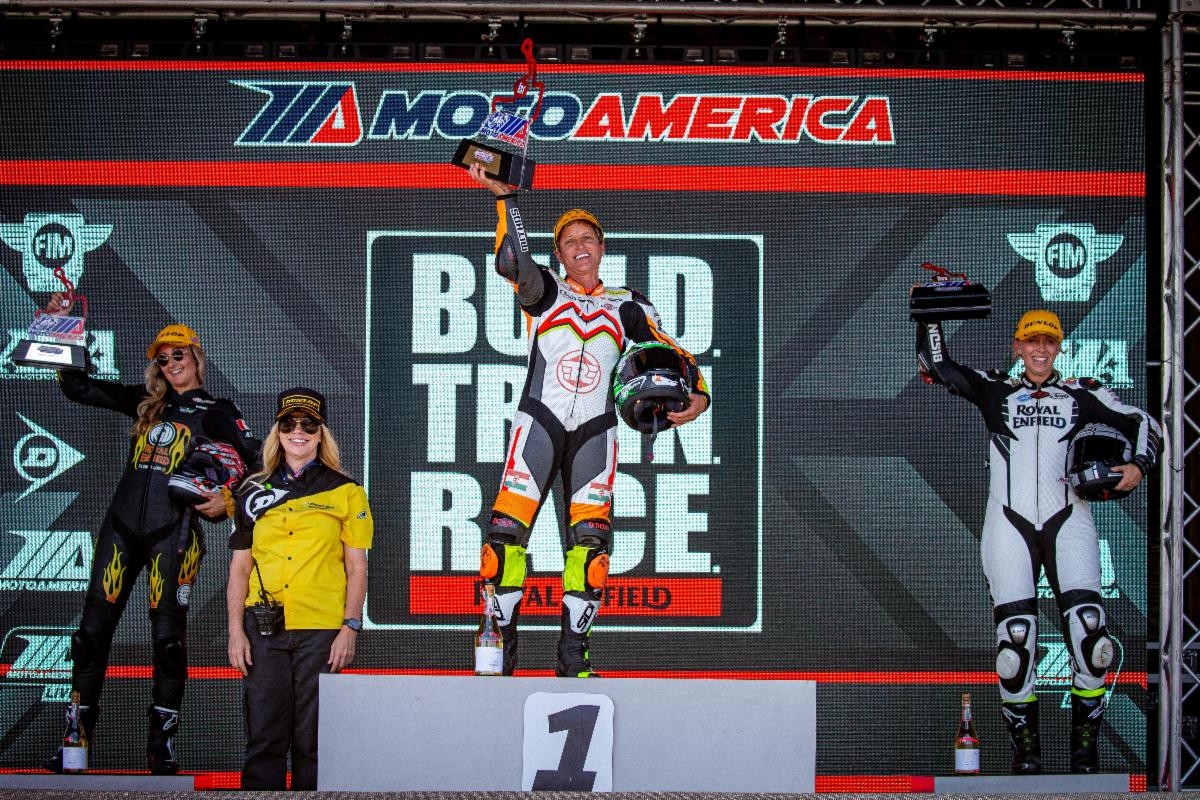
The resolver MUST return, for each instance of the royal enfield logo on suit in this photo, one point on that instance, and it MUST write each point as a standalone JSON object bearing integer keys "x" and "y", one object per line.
{"x": 458, "y": 345}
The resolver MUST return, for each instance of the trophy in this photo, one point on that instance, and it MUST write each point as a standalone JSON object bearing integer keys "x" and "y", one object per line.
{"x": 949, "y": 295}
{"x": 52, "y": 341}
{"x": 507, "y": 164}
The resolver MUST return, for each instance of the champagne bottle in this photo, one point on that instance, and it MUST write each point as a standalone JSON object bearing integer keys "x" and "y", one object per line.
{"x": 966, "y": 745}
{"x": 75, "y": 741}
{"x": 489, "y": 642}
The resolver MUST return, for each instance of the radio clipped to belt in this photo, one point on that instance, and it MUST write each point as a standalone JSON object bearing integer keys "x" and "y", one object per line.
{"x": 267, "y": 612}
{"x": 949, "y": 295}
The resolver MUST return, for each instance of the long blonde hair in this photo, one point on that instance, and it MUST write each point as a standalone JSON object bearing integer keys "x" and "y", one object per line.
{"x": 151, "y": 407}
{"x": 328, "y": 453}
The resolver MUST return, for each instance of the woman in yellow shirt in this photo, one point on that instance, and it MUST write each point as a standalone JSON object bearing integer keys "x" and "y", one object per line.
{"x": 297, "y": 582}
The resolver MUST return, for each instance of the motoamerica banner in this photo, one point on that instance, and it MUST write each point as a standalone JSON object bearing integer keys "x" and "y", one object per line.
{"x": 821, "y": 520}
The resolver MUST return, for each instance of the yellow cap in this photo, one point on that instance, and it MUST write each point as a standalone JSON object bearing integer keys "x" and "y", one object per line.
{"x": 576, "y": 215}
{"x": 174, "y": 335}
{"x": 1036, "y": 322}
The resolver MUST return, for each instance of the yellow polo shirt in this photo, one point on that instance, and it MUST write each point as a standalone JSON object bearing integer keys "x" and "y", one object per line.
{"x": 295, "y": 530}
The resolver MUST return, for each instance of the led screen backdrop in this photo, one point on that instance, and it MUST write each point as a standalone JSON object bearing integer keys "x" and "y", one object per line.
{"x": 820, "y": 521}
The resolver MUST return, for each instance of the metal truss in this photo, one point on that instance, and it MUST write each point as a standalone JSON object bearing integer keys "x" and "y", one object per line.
{"x": 1111, "y": 14}
{"x": 1179, "y": 687}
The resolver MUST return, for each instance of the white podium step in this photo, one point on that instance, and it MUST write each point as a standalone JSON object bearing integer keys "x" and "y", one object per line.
{"x": 430, "y": 733}
{"x": 1103, "y": 783}
{"x": 99, "y": 782}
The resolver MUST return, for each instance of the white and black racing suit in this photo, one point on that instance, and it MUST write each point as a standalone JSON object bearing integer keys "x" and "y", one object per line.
{"x": 1033, "y": 518}
{"x": 565, "y": 424}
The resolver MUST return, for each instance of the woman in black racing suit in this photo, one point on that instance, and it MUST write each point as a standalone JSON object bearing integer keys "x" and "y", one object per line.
{"x": 144, "y": 528}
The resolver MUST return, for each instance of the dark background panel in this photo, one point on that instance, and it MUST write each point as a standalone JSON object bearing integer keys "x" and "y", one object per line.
{"x": 872, "y": 485}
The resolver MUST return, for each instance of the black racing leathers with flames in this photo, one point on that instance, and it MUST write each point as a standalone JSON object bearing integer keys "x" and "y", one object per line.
{"x": 145, "y": 529}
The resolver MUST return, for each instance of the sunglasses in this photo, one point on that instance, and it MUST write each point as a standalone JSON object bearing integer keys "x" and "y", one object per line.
{"x": 307, "y": 424}
{"x": 162, "y": 359}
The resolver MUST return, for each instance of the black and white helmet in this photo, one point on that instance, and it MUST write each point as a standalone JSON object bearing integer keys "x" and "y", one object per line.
{"x": 1092, "y": 454}
{"x": 649, "y": 382}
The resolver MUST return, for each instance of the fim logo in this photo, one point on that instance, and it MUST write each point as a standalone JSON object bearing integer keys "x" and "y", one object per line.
{"x": 303, "y": 113}
{"x": 1106, "y": 360}
{"x": 39, "y": 457}
{"x": 48, "y": 242}
{"x": 49, "y": 561}
{"x": 1065, "y": 258}
{"x": 39, "y": 656}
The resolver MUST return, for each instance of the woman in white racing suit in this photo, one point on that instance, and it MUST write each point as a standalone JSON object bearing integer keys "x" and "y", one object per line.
{"x": 1035, "y": 520}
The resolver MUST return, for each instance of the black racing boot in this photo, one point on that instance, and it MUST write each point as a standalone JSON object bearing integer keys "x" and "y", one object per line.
{"x": 1086, "y": 715}
{"x": 1021, "y": 720}
{"x": 574, "y": 651}
{"x": 87, "y": 718}
{"x": 574, "y": 657}
{"x": 160, "y": 740}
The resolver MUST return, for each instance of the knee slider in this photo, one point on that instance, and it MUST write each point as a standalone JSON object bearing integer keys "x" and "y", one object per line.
{"x": 1016, "y": 638}
{"x": 170, "y": 654}
{"x": 585, "y": 569}
{"x": 502, "y": 563}
{"x": 1091, "y": 647}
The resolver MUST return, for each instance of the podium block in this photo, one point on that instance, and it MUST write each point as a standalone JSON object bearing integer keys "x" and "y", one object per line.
{"x": 428, "y": 733}
{"x": 1103, "y": 783}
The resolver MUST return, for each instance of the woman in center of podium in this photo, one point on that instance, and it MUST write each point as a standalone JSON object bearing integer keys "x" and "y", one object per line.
{"x": 297, "y": 581}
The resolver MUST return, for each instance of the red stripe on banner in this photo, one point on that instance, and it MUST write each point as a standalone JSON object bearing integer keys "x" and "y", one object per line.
{"x": 115, "y": 65}
{"x": 635, "y": 597}
{"x": 874, "y": 783}
{"x": 380, "y": 175}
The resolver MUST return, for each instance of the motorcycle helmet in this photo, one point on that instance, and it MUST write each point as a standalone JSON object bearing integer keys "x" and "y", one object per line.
{"x": 648, "y": 383}
{"x": 208, "y": 467}
{"x": 1091, "y": 455}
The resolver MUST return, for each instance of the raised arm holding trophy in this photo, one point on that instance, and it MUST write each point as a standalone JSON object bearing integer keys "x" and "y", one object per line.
{"x": 510, "y": 165}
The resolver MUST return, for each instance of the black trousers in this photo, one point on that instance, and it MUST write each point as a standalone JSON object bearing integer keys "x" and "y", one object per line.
{"x": 280, "y": 705}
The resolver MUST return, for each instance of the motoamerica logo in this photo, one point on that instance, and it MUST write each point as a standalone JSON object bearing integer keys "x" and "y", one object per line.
{"x": 48, "y": 242}
{"x": 319, "y": 113}
{"x": 49, "y": 561}
{"x": 1065, "y": 258}
{"x": 39, "y": 656}
{"x": 1106, "y": 360}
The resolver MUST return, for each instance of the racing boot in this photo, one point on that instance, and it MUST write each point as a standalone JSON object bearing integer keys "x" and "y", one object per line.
{"x": 574, "y": 648}
{"x": 87, "y": 718}
{"x": 1021, "y": 720}
{"x": 1086, "y": 715}
{"x": 160, "y": 740}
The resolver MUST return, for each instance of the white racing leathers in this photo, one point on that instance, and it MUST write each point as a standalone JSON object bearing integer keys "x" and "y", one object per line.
{"x": 1034, "y": 520}
{"x": 565, "y": 425}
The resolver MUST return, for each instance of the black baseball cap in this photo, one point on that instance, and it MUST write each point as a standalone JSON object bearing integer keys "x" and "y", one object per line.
{"x": 306, "y": 401}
